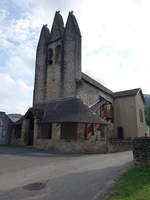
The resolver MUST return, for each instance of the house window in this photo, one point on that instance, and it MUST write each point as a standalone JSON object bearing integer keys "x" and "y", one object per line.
{"x": 50, "y": 56}
{"x": 58, "y": 54}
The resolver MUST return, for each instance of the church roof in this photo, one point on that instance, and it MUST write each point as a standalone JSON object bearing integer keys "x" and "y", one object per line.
{"x": 126, "y": 93}
{"x": 66, "y": 110}
{"x": 96, "y": 84}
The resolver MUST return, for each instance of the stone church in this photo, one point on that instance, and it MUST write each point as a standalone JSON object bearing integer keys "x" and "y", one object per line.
{"x": 72, "y": 112}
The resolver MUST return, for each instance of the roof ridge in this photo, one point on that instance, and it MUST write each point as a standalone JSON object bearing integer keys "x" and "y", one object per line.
{"x": 131, "y": 92}
{"x": 96, "y": 84}
{"x": 128, "y": 90}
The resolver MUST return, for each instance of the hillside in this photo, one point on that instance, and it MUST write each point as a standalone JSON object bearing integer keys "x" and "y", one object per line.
{"x": 14, "y": 117}
{"x": 147, "y": 108}
{"x": 147, "y": 99}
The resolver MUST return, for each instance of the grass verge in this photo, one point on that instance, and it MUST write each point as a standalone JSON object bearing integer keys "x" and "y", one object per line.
{"x": 132, "y": 185}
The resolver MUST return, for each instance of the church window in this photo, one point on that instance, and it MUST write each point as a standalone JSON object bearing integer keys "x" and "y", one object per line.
{"x": 50, "y": 56}
{"x": 58, "y": 54}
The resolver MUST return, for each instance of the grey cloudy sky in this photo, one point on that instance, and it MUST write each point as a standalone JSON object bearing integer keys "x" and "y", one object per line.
{"x": 115, "y": 44}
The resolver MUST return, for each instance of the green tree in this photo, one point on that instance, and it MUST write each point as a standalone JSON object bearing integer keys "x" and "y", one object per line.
{"x": 147, "y": 114}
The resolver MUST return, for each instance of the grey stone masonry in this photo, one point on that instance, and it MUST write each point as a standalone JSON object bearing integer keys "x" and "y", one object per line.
{"x": 141, "y": 151}
{"x": 58, "y": 61}
{"x": 41, "y": 66}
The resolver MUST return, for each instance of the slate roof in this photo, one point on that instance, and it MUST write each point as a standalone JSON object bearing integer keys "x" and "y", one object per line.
{"x": 66, "y": 110}
{"x": 126, "y": 93}
{"x": 91, "y": 81}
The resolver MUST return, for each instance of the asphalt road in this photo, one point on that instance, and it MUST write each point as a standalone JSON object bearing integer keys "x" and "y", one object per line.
{"x": 57, "y": 176}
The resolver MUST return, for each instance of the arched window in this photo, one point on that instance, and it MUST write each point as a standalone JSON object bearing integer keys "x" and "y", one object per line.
{"x": 58, "y": 54}
{"x": 50, "y": 56}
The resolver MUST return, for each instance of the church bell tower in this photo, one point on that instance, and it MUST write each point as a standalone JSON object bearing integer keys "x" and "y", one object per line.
{"x": 58, "y": 61}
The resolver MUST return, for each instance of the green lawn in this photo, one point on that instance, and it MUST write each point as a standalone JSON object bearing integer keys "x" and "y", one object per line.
{"x": 132, "y": 185}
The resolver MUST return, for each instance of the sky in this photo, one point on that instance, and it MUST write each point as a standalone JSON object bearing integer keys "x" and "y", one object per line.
{"x": 115, "y": 44}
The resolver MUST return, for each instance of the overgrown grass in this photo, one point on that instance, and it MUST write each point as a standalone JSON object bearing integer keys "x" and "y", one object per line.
{"x": 132, "y": 185}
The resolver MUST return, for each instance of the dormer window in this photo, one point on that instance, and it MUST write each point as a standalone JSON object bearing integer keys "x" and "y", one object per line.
{"x": 50, "y": 56}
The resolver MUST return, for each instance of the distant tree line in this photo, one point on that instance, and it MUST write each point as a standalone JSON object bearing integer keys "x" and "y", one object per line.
{"x": 147, "y": 109}
{"x": 147, "y": 114}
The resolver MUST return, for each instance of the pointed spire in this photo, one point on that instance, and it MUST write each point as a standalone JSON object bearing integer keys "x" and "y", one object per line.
{"x": 40, "y": 69}
{"x": 57, "y": 27}
{"x": 72, "y": 25}
{"x": 44, "y": 36}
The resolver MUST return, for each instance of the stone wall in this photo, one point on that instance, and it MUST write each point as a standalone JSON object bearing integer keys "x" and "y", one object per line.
{"x": 90, "y": 94}
{"x": 125, "y": 116}
{"x": 141, "y": 151}
{"x": 16, "y": 141}
{"x": 58, "y": 78}
{"x": 53, "y": 75}
{"x": 116, "y": 145}
{"x": 71, "y": 57}
{"x": 71, "y": 146}
{"x": 21, "y": 141}
{"x": 4, "y": 128}
{"x": 65, "y": 146}
{"x": 41, "y": 67}
{"x": 97, "y": 143}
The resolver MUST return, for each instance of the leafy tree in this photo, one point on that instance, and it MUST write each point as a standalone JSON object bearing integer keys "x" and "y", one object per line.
{"x": 147, "y": 114}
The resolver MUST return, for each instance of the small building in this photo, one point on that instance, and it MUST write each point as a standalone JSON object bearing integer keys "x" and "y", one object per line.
{"x": 129, "y": 117}
{"x": 4, "y": 128}
{"x": 72, "y": 112}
